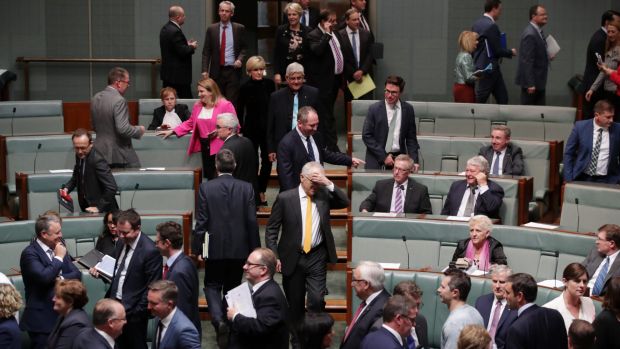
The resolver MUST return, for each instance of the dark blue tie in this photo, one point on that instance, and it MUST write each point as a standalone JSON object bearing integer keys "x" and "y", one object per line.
{"x": 310, "y": 150}
{"x": 410, "y": 342}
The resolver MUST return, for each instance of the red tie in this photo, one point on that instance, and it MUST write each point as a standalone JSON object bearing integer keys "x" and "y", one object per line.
{"x": 357, "y": 314}
{"x": 223, "y": 47}
{"x": 165, "y": 272}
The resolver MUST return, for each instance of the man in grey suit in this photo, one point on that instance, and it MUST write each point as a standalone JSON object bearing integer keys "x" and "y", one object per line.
{"x": 602, "y": 263}
{"x": 533, "y": 59}
{"x": 110, "y": 120}
{"x": 505, "y": 158}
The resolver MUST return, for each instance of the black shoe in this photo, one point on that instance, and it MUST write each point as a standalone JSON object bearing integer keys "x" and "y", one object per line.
{"x": 223, "y": 331}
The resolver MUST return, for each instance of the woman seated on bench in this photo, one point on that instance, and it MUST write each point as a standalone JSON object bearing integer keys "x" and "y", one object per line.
{"x": 480, "y": 250}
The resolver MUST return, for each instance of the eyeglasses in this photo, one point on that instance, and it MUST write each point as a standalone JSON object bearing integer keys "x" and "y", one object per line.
{"x": 411, "y": 319}
{"x": 124, "y": 319}
{"x": 358, "y": 280}
{"x": 250, "y": 265}
{"x": 220, "y": 127}
{"x": 128, "y": 82}
{"x": 398, "y": 169}
{"x": 390, "y": 92}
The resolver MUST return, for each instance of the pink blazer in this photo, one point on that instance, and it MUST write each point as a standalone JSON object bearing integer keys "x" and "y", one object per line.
{"x": 202, "y": 127}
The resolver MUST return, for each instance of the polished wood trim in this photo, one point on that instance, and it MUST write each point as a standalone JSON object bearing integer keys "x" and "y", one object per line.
{"x": 187, "y": 231}
{"x": 526, "y": 192}
{"x": 348, "y": 110}
{"x": 349, "y": 237}
{"x": 349, "y": 294}
{"x": 3, "y": 156}
{"x": 21, "y": 186}
{"x": 76, "y": 115}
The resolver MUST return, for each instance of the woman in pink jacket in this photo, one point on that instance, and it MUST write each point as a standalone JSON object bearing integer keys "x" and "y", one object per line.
{"x": 202, "y": 124}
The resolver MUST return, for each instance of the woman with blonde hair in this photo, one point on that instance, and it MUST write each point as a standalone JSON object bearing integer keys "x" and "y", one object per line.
{"x": 463, "y": 89}
{"x": 481, "y": 250}
{"x": 289, "y": 43}
{"x": 474, "y": 337}
{"x": 10, "y": 302}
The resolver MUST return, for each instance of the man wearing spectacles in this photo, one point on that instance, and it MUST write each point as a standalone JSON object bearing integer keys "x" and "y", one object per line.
{"x": 602, "y": 263}
{"x": 108, "y": 321}
{"x": 399, "y": 316}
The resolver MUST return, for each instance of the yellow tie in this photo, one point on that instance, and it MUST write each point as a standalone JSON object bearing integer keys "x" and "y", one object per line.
{"x": 308, "y": 227}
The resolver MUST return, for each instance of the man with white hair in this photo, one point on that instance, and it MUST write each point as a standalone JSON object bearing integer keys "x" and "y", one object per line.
{"x": 227, "y": 126}
{"x": 367, "y": 282}
{"x": 476, "y": 194}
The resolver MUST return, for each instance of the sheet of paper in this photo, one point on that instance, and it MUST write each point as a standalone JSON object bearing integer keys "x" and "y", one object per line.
{"x": 64, "y": 170}
{"x": 552, "y": 46}
{"x": 390, "y": 265}
{"x": 457, "y": 218}
{"x": 362, "y": 88}
{"x": 551, "y": 283}
{"x": 205, "y": 246}
{"x": 540, "y": 225}
{"x": 106, "y": 266}
{"x": 241, "y": 298}
{"x": 153, "y": 169}
{"x": 385, "y": 214}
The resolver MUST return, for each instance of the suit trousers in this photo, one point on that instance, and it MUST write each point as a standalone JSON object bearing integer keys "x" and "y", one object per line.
{"x": 134, "y": 332}
{"x": 260, "y": 142}
{"x": 536, "y": 98}
{"x": 327, "y": 123}
{"x": 229, "y": 83}
{"x": 208, "y": 160}
{"x": 492, "y": 84}
{"x": 38, "y": 339}
{"x": 183, "y": 91}
{"x": 221, "y": 276}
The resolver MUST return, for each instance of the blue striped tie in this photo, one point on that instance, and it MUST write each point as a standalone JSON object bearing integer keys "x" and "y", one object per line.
{"x": 600, "y": 280}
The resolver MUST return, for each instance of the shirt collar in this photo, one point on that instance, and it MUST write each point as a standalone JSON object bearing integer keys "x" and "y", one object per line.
{"x": 302, "y": 193}
{"x": 596, "y": 126}
{"x": 523, "y": 308}
{"x": 175, "y": 23}
{"x": 397, "y": 105}
{"x": 107, "y": 337}
{"x": 489, "y": 17}
{"x": 173, "y": 258}
{"x": 393, "y": 332}
{"x": 166, "y": 321}
{"x": 349, "y": 31}
{"x": 372, "y": 297}
{"x": 258, "y": 285}
{"x": 225, "y": 24}
{"x": 43, "y": 246}
{"x": 303, "y": 137}
{"x": 535, "y": 26}
{"x": 135, "y": 242}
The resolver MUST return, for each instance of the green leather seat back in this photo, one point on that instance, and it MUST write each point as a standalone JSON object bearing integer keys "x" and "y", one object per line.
{"x": 147, "y": 105}
{"x": 31, "y": 117}
{"x": 587, "y": 206}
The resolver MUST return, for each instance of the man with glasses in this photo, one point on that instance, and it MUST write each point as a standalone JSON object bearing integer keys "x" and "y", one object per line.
{"x": 389, "y": 128}
{"x": 602, "y": 263}
{"x": 269, "y": 328}
{"x": 418, "y": 338}
{"x": 533, "y": 59}
{"x": 399, "y": 316}
{"x": 110, "y": 120}
{"x": 108, "y": 321}
{"x": 400, "y": 194}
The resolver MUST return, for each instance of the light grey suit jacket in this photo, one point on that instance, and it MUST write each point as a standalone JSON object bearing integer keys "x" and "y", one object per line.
{"x": 110, "y": 119}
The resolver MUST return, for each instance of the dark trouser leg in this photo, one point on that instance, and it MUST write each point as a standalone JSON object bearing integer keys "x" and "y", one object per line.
{"x": 492, "y": 84}
{"x": 499, "y": 89}
{"x": 134, "y": 332}
{"x": 228, "y": 82}
{"x": 183, "y": 91}
{"x": 316, "y": 279}
{"x": 221, "y": 276}
{"x": 208, "y": 161}
{"x": 329, "y": 132}
{"x": 536, "y": 98}
{"x": 260, "y": 142}
{"x": 38, "y": 340}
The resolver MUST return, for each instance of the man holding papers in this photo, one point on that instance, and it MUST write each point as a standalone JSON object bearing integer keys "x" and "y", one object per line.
{"x": 356, "y": 45}
{"x": 268, "y": 329}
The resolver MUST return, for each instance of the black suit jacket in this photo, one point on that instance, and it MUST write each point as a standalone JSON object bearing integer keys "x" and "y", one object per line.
{"x": 366, "y": 58}
{"x": 281, "y": 55}
{"x": 98, "y": 186}
{"x": 382, "y": 338}
{"x": 176, "y": 55}
{"x": 592, "y": 262}
{"x": 66, "y": 328}
{"x": 253, "y": 106}
{"x": 158, "y": 115}
{"x": 496, "y": 249}
{"x": 269, "y": 329}
{"x": 421, "y": 331}
{"x": 513, "y": 159}
{"x": 280, "y": 118}
{"x": 227, "y": 211}
{"x": 10, "y": 334}
{"x": 319, "y": 64}
{"x": 211, "y": 49}
{"x": 484, "y": 304}
{"x": 487, "y": 204}
{"x": 245, "y": 157}
{"x": 90, "y": 339}
{"x": 533, "y": 60}
{"x": 293, "y": 155}
{"x": 416, "y": 198}
{"x": 184, "y": 274}
{"x": 376, "y": 129}
{"x": 590, "y": 72}
{"x": 537, "y": 328}
{"x": 286, "y": 215}
{"x": 366, "y": 321}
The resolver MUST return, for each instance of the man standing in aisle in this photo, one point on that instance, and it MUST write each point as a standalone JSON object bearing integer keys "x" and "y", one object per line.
{"x": 176, "y": 54}
{"x": 533, "y": 59}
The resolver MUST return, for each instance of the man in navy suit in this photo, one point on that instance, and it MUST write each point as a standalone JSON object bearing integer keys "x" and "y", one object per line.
{"x": 174, "y": 329}
{"x": 504, "y": 157}
{"x": 42, "y": 262}
{"x": 368, "y": 279}
{"x": 490, "y": 50}
{"x": 356, "y": 46}
{"x": 533, "y": 59}
{"x": 399, "y": 316}
{"x": 180, "y": 269}
{"x": 535, "y": 327}
{"x": 592, "y": 151}
{"x": 476, "y": 194}
{"x": 176, "y": 54}
{"x": 108, "y": 321}
{"x": 299, "y": 147}
{"x": 494, "y": 308}
{"x": 138, "y": 263}
{"x": 389, "y": 128}
{"x": 246, "y": 167}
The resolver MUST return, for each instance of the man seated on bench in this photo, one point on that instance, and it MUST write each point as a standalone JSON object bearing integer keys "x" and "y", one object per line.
{"x": 401, "y": 194}
{"x": 505, "y": 158}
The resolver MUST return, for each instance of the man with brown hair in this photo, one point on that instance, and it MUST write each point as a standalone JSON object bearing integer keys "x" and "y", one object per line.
{"x": 602, "y": 263}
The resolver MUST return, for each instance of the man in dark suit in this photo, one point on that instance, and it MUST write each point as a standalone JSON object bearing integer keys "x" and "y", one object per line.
{"x": 602, "y": 262}
{"x": 504, "y": 157}
{"x": 91, "y": 175}
{"x": 176, "y": 54}
{"x": 268, "y": 329}
{"x": 533, "y": 59}
{"x": 387, "y": 195}
{"x": 325, "y": 64}
{"x": 241, "y": 147}
{"x": 493, "y": 307}
{"x": 360, "y": 6}
{"x": 227, "y": 212}
{"x": 535, "y": 327}
{"x": 418, "y": 338}
{"x": 399, "y": 316}
{"x": 180, "y": 269}
{"x": 356, "y": 45}
{"x": 174, "y": 329}
{"x": 108, "y": 321}
{"x": 490, "y": 50}
{"x": 368, "y": 279}
{"x": 594, "y": 157}
{"x": 300, "y": 146}
{"x": 138, "y": 263}
{"x": 42, "y": 262}
{"x": 389, "y": 128}
{"x": 306, "y": 244}
{"x": 224, "y": 52}
{"x": 476, "y": 194}
{"x": 309, "y": 15}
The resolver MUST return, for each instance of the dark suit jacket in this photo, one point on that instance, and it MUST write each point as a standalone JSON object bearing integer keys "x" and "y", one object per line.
{"x": 376, "y": 129}
{"x": 484, "y": 304}
{"x": 184, "y": 274}
{"x": 590, "y": 72}
{"x": 211, "y": 50}
{"x": 488, "y": 36}
{"x": 90, "y": 339}
{"x": 513, "y": 159}
{"x": 606, "y": 327}
{"x": 176, "y": 55}
{"x": 495, "y": 248}
{"x": 67, "y": 328}
{"x": 416, "y": 198}
{"x": 253, "y": 106}
{"x": 181, "y": 333}
{"x": 145, "y": 267}
{"x": 10, "y": 335}
{"x": 366, "y": 59}
{"x": 98, "y": 185}
{"x": 319, "y": 64}
{"x": 365, "y": 321}
{"x": 269, "y": 329}
{"x": 293, "y": 155}
{"x": 281, "y": 55}
{"x": 245, "y": 157}
{"x": 487, "y": 204}
{"x": 533, "y": 60}
{"x": 421, "y": 331}
{"x": 537, "y": 328}
{"x": 592, "y": 262}
{"x": 380, "y": 338}
{"x": 578, "y": 151}
{"x": 286, "y": 214}
{"x": 158, "y": 115}
{"x": 280, "y": 117}
{"x": 227, "y": 211}
{"x": 39, "y": 275}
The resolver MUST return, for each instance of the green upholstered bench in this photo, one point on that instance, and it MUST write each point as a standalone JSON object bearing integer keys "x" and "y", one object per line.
{"x": 586, "y": 206}
{"x": 147, "y": 105}
{"x": 154, "y": 151}
{"x": 31, "y": 117}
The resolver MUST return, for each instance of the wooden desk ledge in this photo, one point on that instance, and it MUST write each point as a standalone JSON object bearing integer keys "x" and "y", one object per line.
{"x": 265, "y": 212}
{"x": 331, "y": 305}
{"x": 330, "y": 173}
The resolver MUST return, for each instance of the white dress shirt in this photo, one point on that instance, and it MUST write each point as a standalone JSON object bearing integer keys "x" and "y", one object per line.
{"x": 394, "y": 191}
{"x": 603, "y": 155}
{"x": 172, "y": 119}
{"x": 503, "y": 304}
{"x": 123, "y": 273}
{"x": 612, "y": 259}
{"x": 165, "y": 322}
{"x": 389, "y": 110}
{"x": 502, "y": 154}
{"x": 479, "y": 191}
{"x": 315, "y": 149}
{"x": 357, "y": 43}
